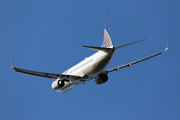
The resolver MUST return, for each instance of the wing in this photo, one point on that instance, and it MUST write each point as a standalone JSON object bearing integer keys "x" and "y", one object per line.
{"x": 131, "y": 63}
{"x": 47, "y": 75}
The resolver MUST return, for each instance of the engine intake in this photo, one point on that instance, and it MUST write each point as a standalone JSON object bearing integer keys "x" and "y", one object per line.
{"x": 101, "y": 79}
{"x": 58, "y": 84}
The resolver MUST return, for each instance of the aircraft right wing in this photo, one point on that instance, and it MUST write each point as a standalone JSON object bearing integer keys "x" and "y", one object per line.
{"x": 131, "y": 63}
{"x": 47, "y": 75}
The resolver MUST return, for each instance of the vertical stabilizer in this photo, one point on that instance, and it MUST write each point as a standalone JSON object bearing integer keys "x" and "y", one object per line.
{"x": 107, "y": 43}
{"x": 107, "y": 40}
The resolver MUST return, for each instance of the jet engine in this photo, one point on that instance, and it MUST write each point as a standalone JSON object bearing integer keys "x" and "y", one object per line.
{"x": 101, "y": 79}
{"x": 58, "y": 84}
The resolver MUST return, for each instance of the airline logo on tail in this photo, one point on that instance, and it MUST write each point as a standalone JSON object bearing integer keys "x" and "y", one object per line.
{"x": 107, "y": 40}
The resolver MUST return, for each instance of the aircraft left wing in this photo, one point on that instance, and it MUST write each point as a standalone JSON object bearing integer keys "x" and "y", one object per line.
{"x": 47, "y": 75}
{"x": 131, "y": 63}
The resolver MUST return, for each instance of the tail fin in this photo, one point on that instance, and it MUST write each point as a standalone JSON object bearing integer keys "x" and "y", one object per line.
{"x": 107, "y": 43}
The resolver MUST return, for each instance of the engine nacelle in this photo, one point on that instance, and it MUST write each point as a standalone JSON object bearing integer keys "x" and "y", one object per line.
{"x": 58, "y": 84}
{"x": 101, "y": 79}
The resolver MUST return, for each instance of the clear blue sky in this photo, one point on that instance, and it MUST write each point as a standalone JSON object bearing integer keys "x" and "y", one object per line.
{"x": 47, "y": 36}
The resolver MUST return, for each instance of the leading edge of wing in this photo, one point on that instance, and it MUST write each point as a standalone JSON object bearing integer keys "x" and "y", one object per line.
{"x": 132, "y": 63}
{"x": 47, "y": 75}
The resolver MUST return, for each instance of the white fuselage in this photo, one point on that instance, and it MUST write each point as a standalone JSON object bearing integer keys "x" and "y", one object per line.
{"x": 91, "y": 66}
{"x": 88, "y": 69}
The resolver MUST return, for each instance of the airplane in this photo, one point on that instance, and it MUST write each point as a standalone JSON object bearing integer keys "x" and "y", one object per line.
{"x": 92, "y": 67}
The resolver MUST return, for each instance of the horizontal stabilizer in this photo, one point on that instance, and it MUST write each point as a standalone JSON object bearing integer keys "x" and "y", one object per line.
{"x": 130, "y": 43}
{"x": 97, "y": 48}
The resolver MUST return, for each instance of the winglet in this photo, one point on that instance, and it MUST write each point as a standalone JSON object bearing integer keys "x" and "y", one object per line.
{"x": 166, "y": 45}
{"x": 166, "y": 49}
{"x": 12, "y": 62}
